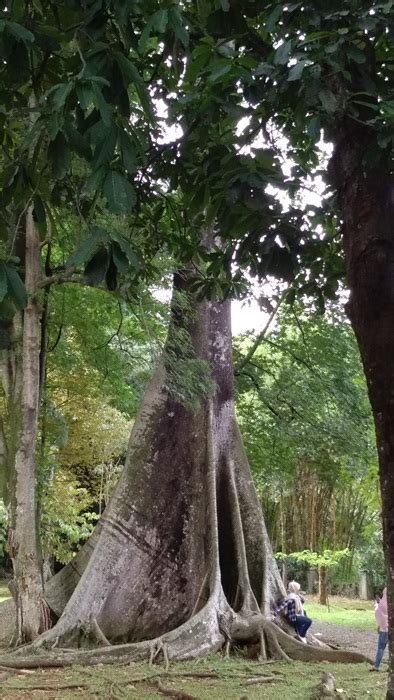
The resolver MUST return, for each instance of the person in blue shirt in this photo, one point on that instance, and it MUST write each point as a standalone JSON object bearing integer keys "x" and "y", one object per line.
{"x": 293, "y": 608}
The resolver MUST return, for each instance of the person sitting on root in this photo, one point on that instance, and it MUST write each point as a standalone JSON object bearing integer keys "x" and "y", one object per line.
{"x": 293, "y": 607}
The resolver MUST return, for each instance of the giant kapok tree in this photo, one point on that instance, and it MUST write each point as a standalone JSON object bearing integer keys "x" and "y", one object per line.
{"x": 180, "y": 561}
{"x": 316, "y": 71}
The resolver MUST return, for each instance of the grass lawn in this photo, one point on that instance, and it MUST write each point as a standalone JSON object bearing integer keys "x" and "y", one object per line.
{"x": 203, "y": 680}
{"x": 358, "y": 614}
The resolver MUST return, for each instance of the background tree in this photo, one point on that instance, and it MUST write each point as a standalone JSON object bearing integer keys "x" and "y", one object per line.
{"x": 307, "y": 424}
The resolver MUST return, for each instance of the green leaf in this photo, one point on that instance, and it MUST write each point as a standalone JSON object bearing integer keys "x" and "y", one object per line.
{"x": 264, "y": 69}
{"x": 77, "y": 141}
{"x": 387, "y": 107}
{"x": 18, "y": 8}
{"x": 313, "y": 127}
{"x": 119, "y": 192}
{"x": 129, "y": 158}
{"x": 19, "y": 32}
{"x": 273, "y": 18}
{"x": 159, "y": 22}
{"x": 85, "y": 95}
{"x": 96, "y": 269}
{"x": 16, "y": 288}
{"x": 356, "y": 54}
{"x": 59, "y": 155}
{"x": 125, "y": 246}
{"x": 103, "y": 107}
{"x": 87, "y": 248}
{"x": 282, "y": 53}
{"x": 105, "y": 148}
{"x": 131, "y": 76}
{"x": 94, "y": 182}
{"x": 220, "y": 70}
{"x": 3, "y": 282}
{"x": 54, "y": 125}
{"x": 144, "y": 99}
{"x": 296, "y": 71}
{"x": 128, "y": 69}
{"x": 328, "y": 100}
{"x": 120, "y": 259}
{"x": 59, "y": 94}
{"x": 175, "y": 20}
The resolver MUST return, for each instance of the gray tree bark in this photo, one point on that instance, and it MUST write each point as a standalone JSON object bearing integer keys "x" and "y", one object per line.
{"x": 32, "y": 612}
{"x": 181, "y": 558}
{"x": 184, "y": 525}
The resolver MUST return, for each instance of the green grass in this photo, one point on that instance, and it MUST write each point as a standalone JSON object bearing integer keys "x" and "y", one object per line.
{"x": 358, "y": 614}
{"x": 218, "y": 679}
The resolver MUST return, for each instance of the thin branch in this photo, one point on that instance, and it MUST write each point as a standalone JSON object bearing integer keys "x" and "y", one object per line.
{"x": 261, "y": 335}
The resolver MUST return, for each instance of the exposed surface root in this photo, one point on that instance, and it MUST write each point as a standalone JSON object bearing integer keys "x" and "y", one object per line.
{"x": 214, "y": 627}
{"x": 57, "y": 687}
{"x": 172, "y": 693}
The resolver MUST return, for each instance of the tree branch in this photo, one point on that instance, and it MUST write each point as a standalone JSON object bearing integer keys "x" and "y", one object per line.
{"x": 62, "y": 278}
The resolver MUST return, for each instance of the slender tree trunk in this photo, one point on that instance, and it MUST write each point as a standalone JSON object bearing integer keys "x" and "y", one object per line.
{"x": 323, "y": 585}
{"x": 367, "y": 204}
{"x": 11, "y": 383}
{"x": 32, "y": 614}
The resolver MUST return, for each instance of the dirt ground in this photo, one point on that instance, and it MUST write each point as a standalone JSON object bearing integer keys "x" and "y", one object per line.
{"x": 346, "y": 637}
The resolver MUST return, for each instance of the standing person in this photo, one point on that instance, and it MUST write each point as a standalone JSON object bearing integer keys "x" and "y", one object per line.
{"x": 382, "y": 620}
{"x": 293, "y": 607}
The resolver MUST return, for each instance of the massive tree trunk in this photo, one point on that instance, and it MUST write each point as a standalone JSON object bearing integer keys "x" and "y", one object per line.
{"x": 32, "y": 613}
{"x": 184, "y": 525}
{"x": 181, "y": 558}
{"x": 366, "y": 194}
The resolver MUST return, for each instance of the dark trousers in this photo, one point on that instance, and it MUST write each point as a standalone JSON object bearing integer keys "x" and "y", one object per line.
{"x": 302, "y": 624}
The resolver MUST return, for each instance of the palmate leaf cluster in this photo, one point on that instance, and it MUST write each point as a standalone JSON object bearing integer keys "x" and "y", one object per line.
{"x": 80, "y": 124}
{"x": 77, "y": 129}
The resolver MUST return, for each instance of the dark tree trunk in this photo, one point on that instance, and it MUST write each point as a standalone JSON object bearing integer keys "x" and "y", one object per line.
{"x": 366, "y": 195}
